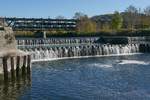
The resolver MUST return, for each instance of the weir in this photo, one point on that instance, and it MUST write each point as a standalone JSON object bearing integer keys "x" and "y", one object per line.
{"x": 55, "y": 48}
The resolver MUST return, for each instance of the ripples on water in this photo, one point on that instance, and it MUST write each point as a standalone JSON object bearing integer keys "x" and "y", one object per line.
{"x": 104, "y": 78}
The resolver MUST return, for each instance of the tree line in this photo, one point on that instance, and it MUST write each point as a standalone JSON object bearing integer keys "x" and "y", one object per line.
{"x": 129, "y": 22}
{"x": 131, "y": 19}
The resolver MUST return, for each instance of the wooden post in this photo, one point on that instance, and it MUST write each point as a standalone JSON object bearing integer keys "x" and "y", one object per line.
{"x": 29, "y": 65}
{"x": 24, "y": 65}
{"x": 5, "y": 68}
{"x": 12, "y": 68}
{"x": 17, "y": 67}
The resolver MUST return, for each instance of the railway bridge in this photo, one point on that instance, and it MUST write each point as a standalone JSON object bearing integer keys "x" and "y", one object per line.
{"x": 40, "y": 24}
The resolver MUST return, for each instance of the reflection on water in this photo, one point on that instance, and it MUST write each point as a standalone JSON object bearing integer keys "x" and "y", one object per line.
{"x": 13, "y": 89}
{"x": 104, "y": 78}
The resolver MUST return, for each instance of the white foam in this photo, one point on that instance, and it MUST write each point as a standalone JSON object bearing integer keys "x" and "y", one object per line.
{"x": 101, "y": 65}
{"x": 133, "y": 62}
{"x": 51, "y": 59}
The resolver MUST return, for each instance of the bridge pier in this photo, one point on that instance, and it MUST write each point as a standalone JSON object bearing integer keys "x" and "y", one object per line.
{"x": 12, "y": 70}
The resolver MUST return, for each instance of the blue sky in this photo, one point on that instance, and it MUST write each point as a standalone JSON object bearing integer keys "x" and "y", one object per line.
{"x": 67, "y": 8}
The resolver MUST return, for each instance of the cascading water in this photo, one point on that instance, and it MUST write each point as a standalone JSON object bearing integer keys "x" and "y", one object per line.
{"x": 52, "y": 48}
{"x": 47, "y": 52}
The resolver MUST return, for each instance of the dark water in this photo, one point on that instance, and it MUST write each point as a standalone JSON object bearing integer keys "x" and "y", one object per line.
{"x": 105, "y": 78}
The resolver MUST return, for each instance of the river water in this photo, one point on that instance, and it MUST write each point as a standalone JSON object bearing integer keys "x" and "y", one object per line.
{"x": 102, "y": 78}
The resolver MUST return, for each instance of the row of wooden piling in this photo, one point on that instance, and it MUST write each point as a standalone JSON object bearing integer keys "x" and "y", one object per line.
{"x": 16, "y": 67}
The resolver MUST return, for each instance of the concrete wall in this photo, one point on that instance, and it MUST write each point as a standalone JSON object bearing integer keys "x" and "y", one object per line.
{"x": 7, "y": 44}
{"x": 7, "y": 40}
{"x": 11, "y": 59}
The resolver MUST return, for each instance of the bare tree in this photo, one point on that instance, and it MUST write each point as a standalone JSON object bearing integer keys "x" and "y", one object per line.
{"x": 60, "y": 17}
{"x": 84, "y": 24}
{"x": 131, "y": 9}
{"x": 131, "y": 17}
{"x": 147, "y": 11}
{"x": 79, "y": 15}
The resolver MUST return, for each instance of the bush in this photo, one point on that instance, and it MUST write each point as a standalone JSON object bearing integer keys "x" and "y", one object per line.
{"x": 83, "y": 34}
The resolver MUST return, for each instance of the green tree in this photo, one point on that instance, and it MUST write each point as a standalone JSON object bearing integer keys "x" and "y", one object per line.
{"x": 117, "y": 21}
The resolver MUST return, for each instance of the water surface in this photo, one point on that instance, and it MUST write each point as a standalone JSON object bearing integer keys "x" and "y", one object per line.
{"x": 103, "y": 78}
